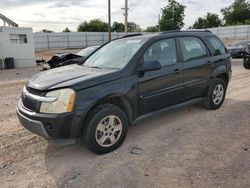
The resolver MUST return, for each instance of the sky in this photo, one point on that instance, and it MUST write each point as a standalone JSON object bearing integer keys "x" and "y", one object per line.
{"x": 56, "y": 15}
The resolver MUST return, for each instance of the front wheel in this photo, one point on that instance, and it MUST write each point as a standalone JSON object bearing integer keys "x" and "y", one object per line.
{"x": 106, "y": 128}
{"x": 216, "y": 94}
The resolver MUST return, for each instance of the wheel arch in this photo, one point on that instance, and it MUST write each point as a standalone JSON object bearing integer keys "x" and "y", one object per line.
{"x": 224, "y": 76}
{"x": 222, "y": 73}
{"x": 118, "y": 100}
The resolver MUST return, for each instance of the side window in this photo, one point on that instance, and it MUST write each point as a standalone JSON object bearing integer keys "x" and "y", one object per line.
{"x": 219, "y": 48}
{"x": 192, "y": 48}
{"x": 163, "y": 51}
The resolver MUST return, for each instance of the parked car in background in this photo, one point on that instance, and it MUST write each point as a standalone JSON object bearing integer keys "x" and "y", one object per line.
{"x": 123, "y": 80}
{"x": 237, "y": 48}
{"x": 59, "y": 60}
{"x": 246, "y": 58}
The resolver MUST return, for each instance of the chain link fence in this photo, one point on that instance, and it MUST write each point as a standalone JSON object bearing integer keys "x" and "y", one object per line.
{"x": 72, "y": 39}
{"x": 232, "y": 32}
{"x": 85, "y": 39}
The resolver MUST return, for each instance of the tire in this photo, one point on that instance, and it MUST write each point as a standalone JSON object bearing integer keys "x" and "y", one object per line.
{"x": 214, "y": 101}
{"x": 102, "y": 128}
{"x": 246, "y": 63}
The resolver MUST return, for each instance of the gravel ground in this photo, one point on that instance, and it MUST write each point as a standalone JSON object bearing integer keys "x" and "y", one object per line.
{"x": 186, "y": 147}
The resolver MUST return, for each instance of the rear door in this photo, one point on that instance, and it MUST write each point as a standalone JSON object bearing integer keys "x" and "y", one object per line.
{"x": 164, "y": 87}
{"x": 197, "y": 66}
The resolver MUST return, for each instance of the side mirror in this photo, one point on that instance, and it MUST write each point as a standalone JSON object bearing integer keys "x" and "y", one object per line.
{"x": 150, "y": 66}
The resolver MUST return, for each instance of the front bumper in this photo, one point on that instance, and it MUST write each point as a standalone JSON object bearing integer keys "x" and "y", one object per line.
{"x": 32, "y": 125}
{"x": 60, "y": 126}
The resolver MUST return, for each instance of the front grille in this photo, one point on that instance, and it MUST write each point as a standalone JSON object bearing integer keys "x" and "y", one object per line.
{"x": 28, "y": 103}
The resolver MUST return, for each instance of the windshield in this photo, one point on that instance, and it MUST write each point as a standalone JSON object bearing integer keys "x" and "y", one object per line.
{"x": 116, "y": 54}
{"x": 87, "y": 51}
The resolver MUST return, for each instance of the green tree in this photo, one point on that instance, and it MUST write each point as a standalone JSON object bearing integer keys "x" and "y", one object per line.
{"x": 47, "y": 31}
{"x": 208, "y": 21}
{"x": 95, "y": 25}
{"x": 66, "y": 30}
{"x": 118, "y": 27}
{"x": 237, "y": 13}
{"x": 172, "y": 16}
{"x": 133, "y": 27}
{"x": 152, "y": 29}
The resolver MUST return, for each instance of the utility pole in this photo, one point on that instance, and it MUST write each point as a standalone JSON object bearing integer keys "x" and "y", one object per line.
{"x": 109, "y": 13}
{"x": 126, "y": 17}
{"x": 159, "y": 22}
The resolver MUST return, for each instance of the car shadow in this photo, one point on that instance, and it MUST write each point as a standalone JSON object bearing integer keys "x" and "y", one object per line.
{"x": 75, "y": 166}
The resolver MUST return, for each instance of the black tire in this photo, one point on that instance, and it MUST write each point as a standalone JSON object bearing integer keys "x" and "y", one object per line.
{"x": 208, "y": 101}
{"x": 94, "y": 118}
{"x": 246, "y": 63}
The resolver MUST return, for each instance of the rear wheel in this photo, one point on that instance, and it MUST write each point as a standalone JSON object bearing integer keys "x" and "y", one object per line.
{"x": 246, "y": 63}
{"x": 216, "y": 94}
{"x": 106, "y": 129}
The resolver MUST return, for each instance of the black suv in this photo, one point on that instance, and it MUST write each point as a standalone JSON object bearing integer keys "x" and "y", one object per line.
{"x": 123, "y": 80}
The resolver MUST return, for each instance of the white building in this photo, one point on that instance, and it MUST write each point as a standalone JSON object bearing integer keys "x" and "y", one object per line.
{"x": 18, "y": 42}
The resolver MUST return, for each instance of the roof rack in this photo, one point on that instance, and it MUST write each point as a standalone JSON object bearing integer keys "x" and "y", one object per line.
{"x": 171, "y": 31}
{"x": 132, "y": 35}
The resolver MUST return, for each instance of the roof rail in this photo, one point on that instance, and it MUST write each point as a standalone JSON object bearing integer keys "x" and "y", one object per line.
{"x": 132, "y": 35}
{"x": 171, "y": 31}
{"x": 197, "y": 30}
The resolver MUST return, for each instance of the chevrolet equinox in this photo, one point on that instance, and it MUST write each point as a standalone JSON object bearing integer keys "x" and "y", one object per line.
{"x": 123, "y": 80}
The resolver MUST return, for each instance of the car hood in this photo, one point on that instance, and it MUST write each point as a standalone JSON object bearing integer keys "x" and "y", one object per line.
{"x": 76, "y": 76}
{"x": 236, "y": 47}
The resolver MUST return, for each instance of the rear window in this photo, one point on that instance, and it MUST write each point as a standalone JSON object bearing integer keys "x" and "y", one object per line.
{"x": 219, "y": 48}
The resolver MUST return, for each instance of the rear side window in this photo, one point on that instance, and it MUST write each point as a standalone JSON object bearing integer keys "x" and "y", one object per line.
{"x": 192, "y": 48}
{"x": 163, "y": 51}
{"x": 219, "y": 48}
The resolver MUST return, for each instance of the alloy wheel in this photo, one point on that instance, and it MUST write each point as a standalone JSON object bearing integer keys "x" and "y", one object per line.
{"x": 108, "y": 131}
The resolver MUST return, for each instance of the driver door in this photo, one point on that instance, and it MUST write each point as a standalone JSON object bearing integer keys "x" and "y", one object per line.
{"x": 164, "y": 87}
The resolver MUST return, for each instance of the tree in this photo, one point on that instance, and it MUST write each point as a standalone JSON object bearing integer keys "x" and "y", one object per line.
{"x": 208, "y": 21}
{"x": 152, "y": 29}
{"x": 95, "y": 25}
{"x": 133, "y": 27}
{"x": 172, "y": 16}
{"x": 66, "y": 30}
{"x": 117, "y": 27}
{"x": 47, "y": 31}
{"x": 237, "y": 13}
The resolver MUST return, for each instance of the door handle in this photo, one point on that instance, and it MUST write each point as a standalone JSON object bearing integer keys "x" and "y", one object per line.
{"x": 208, "y": 63}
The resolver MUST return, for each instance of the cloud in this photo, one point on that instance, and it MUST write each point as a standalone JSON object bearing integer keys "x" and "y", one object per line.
{"x": 58, "y": 14}
{"x": 18, "y": 3}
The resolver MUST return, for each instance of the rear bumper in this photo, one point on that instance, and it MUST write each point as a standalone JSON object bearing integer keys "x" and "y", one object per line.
{"x": 239, "y": 54}
{"x": 59, "y": 126}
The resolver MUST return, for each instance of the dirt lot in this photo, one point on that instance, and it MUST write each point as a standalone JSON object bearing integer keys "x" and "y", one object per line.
{"x": 186, "y": 147}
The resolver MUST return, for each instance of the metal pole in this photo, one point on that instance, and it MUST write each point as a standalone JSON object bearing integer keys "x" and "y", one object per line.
{"x": 86, "y": 38}
{"x": 248, "y": 30}
{"x": 48, "y": 41}
{"x": 159, "y": 23}
{"x": 126, "y": 17}
{"x": 109, "y": 13}
{"x": 67, "y": 40}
